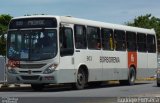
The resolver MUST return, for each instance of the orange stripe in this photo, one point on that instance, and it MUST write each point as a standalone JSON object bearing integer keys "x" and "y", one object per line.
{"x": 132, "y": 59}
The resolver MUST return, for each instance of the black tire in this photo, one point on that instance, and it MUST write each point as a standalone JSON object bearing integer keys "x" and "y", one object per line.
{"x": 158, "y": 84}
{"x": 131, "y": 78}
{"x": 37, "y": 87}
{"x": 81, "y": 80}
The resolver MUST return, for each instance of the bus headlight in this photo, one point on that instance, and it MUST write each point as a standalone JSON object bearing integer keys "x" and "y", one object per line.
{"x": 50, "y": 69}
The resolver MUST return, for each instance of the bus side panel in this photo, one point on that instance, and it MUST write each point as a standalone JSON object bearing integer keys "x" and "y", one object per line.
{"x": 152, "y": 64}
{"x": 66, "y": 76}
{"x": 142, "y": 67}
{"x": 115, "y": 69}
{"x": 80, "y": 56}
{"x": 66, "y": 72}
{"x": 108, "y": 68}
{"x": 94, "y": 65}
{"x": 121, "y": 67}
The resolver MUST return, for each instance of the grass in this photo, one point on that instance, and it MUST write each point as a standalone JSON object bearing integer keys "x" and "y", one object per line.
{"x": 139, "y": 79}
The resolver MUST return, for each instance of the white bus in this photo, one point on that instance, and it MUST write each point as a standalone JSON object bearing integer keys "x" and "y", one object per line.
{"x": 45, "y": 50}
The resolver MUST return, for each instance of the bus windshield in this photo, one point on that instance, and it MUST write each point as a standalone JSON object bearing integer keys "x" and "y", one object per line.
{"x": 32, "y": 44}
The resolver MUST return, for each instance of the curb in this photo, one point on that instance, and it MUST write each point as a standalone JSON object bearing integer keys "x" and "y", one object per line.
{"x": 14, "y": 86}
{"x": 147, "y": 79}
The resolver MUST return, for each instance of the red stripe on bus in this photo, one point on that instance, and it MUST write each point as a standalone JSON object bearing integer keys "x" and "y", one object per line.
{"x": 132, "y": 59}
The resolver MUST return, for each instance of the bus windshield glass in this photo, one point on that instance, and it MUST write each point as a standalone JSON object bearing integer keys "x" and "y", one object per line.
{"x": 32, "y": 44}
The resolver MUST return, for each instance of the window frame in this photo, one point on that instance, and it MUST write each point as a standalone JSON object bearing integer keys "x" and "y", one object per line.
{"x": 66, "y": 51}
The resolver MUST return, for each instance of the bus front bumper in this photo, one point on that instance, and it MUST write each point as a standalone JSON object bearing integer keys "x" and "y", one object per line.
{"x": 34, "y": 78}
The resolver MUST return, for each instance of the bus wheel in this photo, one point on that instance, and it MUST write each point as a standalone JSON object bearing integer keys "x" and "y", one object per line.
{"x": 37, "y": 87}
{"x": 81, "y": 80}
{"x": 158, "y": 84}
{"x": 131, "y": 78}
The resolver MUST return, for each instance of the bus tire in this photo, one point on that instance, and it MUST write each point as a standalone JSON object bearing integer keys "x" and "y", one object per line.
{"x": 81, "y": 80}
{"x": 131, "y": 77}
{"x": 37, "y": 87}
{"x": 158, "y": 84}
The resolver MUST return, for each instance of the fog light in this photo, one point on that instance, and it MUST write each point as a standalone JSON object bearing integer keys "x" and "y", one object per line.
{"x": 49, "y": 77}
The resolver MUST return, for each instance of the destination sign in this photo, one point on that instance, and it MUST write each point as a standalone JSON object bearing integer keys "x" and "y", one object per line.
{"x": 33, "y": 23}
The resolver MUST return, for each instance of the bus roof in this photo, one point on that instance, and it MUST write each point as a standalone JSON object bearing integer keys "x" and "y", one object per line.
{"x": 73, "y": 20}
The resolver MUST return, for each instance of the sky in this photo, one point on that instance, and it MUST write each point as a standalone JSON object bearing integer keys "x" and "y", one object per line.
{"x": 112, "y": 11}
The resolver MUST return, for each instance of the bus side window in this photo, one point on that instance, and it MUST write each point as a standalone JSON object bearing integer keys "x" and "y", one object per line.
{"x": 93, "y": 38}
{"x": 119, "y": 40}
{"x": 80, "y": 37}
{"x": 66, "y": 42}
{"x": 107, "y": 39}
{"x": 131, "y": 41}
{"x": 151, "y": 43}
{"x": 141, "y": 42}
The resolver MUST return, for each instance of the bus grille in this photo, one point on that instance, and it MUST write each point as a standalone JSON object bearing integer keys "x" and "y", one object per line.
{"x": 31, "y": 66}
{"x": 26, "y": 72}
{"x": 30, "y": 77}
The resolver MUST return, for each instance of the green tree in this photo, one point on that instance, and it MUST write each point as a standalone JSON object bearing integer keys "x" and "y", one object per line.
{"x": 147, "y": 21}
{"x": 4, "y": 21}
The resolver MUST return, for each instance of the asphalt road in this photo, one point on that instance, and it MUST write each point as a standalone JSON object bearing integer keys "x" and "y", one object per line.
{"x": 89, "y": 95}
